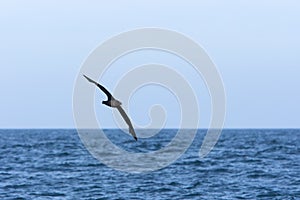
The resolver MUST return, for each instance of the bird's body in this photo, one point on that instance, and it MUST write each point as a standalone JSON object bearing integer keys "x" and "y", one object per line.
{"x": 114, "y": 103}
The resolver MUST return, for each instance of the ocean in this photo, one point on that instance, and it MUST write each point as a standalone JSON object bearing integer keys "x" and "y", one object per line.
{"x": 244, "y": 164}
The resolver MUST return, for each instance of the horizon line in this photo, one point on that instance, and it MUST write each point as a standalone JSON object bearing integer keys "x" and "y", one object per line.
{"x": 113, "y": 128}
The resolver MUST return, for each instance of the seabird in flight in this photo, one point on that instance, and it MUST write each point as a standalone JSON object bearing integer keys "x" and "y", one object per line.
{"x": 114, "y": 103}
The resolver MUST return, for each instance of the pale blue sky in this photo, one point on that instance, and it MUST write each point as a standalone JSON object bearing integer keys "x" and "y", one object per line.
{"x": 255, "y": 45}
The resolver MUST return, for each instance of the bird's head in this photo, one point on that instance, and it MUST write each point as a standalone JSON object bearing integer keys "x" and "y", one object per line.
{"x": 104, "y": 102}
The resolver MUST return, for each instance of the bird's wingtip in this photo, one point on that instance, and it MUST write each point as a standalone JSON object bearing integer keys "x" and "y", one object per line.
{"x": 131, "y": 130}
{"x": 90, "y": 80}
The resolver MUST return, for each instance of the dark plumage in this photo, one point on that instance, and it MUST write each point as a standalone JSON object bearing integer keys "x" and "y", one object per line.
{"x": 112, "y": 102}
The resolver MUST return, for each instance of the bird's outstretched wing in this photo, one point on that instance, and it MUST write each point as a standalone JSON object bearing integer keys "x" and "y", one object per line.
{"x": 127, "y": 120}
{"x": 108, "y": 94}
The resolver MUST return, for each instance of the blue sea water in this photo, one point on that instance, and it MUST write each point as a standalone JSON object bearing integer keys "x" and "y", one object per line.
{"x": 245, "y": 164}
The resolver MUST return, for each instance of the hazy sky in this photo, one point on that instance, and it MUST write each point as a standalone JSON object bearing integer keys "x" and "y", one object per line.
{"x": 255, "y": 45}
